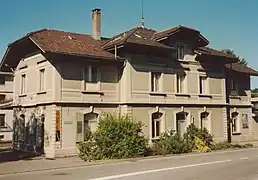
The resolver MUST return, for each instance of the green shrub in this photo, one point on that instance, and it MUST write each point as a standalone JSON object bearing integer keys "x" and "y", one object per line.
{"x": 117, "y": 136}
{"x": 170, "y": 143}
{"x": 200, "y": 145}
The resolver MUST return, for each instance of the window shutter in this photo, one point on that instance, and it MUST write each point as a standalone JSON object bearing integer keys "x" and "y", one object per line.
{"x": 79, "y": 127}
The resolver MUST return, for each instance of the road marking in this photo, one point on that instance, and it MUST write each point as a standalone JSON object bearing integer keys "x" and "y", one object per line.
{"x": 243, "y": 158}
{"x": 159, "y": 170}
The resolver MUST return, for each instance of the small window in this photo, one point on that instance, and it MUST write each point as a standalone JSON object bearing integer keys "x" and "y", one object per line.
{"x": 23, "y": 83}
{"x": 156, "y": 125}
{"x": 181, "y": 123}
{"x": 42, "y": 80}
{"x": 180, "y": 83}
{"x": 245, "y": 124}
{"x": 180, "y": 52}
{"x": 233, "y": 85}
{"x": 205, "y": 120}
{"x": 203, "y": 85}
{"x": 91, "y": 74}
{"x": 2, "y": 120}
{"x": 155, "y": 82}
{"x": 234, "y": 122}
{"x": 2, "y": 79}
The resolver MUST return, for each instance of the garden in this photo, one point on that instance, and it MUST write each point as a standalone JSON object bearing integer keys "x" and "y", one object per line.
{"x": 120, "y": 136}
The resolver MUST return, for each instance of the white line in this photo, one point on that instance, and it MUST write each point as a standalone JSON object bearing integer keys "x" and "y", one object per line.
{"x": 243, "y": 158}
{"x": 158, "y": 170}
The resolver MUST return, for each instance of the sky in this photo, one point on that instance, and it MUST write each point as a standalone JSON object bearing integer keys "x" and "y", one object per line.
{"x": 225, "y": 23}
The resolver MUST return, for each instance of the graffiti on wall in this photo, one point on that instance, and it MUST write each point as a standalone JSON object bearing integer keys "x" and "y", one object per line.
{"x": 29, "y": 129}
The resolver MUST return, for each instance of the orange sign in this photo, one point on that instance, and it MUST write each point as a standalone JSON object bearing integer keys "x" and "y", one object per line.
{"x": 58, "y": 125}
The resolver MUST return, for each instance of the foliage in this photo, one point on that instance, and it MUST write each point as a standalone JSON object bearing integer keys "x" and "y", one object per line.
{"x": 255, "y": 90}
{"x": 226, "y": 145}
{"x": 170, "y": 143}
{"x": 240, "y": 60}
{"x": 200, "y": 145}
{"x": 117, "y": 136}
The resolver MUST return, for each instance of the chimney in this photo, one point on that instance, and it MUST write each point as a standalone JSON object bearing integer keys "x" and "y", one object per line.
{"x": 96, "y": 16}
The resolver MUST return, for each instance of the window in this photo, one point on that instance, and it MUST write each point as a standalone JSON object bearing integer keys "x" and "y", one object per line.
{"x": 203, "y": 85}
{"x": 180, "y": 52}
{"x": 2, "y": 120}
{"x": 23, "y": 85}
{"x": 155, "y": 82}
{"x": 91, "y": 74}
{"x": 42, "y": 80}
{"x": 205, "y": 120}
{"x": 245, "y": 124}
{"x": 180, "y": 83}
{"x": 233, "y": 85}
{"x": 234, "y": 122}
{"x": 156, "y": 124}
{"x": 2, "y": 79}
{"x": 181, "y": 124}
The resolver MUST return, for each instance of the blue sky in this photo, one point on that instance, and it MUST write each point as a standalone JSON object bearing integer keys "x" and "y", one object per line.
{"x": 226, "y": 23}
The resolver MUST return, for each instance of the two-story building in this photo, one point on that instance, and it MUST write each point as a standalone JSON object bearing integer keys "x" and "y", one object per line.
{"x": 168, "y": 79}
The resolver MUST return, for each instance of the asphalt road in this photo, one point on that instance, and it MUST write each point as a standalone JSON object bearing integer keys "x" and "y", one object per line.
{"x": 237, "y": 165}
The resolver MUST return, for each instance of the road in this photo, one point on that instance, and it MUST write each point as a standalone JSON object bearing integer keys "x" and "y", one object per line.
{"x": 237, "y": 165}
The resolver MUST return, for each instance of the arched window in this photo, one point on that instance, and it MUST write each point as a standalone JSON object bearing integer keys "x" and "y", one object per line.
{"x": 156, "y": 124}
{"x": 90, "y": 122}
{"x": 205, "y": 121}
{"x": 181, "y": 122}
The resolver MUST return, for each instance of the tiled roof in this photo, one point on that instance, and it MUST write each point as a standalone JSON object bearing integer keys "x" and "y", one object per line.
{"x": 68, "y": 43}
{"x": 138, "y": 35}
{"x": 160, "y": 34}
{"x": 242, "y": 69}
{"x": 214, "y": 52}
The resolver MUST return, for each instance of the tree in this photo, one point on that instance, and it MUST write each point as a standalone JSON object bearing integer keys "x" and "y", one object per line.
{"x": 255, "y": 90}
{"x": 240, "y": 59}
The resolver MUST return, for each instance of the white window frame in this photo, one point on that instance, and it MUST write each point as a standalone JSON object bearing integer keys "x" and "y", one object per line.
{"x": 204, "y": 84}
{"x": 188, "y": 119}
{"x": 184, "y": 90}
{"x": 208, "y": 119}
{"x": 161, "y": 120}
{"x": 23, "y": 84}
{"x": 238, "y": 124}
{"x": 153, "y": 84}
{"x": 42, "y": 85}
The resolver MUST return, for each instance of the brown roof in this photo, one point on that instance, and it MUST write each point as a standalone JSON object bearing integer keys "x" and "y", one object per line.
{"x": 67, "y": 43}
{"x": 138, "y": 35}
{"x": 242, "y": 69}
{"x": 161, "y": 34}
{"x": 214, "y": 52}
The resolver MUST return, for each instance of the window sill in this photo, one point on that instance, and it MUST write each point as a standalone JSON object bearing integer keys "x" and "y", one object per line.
{"x": 234, "y": 97}
{"x": 183, "y": 95}
{"x": 205, "y": 95}
{"x": 41, "y": 92}
{"x": 236, "y": 133}
{"x": 22, "y": 95}
{"x": 93, "y": 92}
{"x": 157, "y": 94}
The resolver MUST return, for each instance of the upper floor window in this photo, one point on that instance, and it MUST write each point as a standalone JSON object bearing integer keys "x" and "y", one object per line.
{"x": 91, "y": 74}
{"x": 23, "y": 83}
{"x": 180, "y": 83}
{"x": 155, "y": 82}
{"x": 2, "y": 120}
{"x": 2, "y": 79}
{"x": 42, "y": 80}
{"x": 233, "y": 85}
{"x": 203, "y": 83}
{"x": 180, "y": 52}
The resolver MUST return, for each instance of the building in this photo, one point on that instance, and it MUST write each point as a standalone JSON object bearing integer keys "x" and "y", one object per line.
{"x": 167, "y": 79}
{"x": 6, "y": 114}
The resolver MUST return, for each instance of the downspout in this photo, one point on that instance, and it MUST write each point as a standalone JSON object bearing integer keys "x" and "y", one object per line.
{"x": 228, "y": 107}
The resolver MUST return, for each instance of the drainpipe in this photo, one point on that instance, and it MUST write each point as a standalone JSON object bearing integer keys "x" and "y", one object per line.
{"x": 228, "y": 107}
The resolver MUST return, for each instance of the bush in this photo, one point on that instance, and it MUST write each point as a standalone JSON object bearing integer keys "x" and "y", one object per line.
{"x": 200, "y": 145}
{"x": 226, "y": 145}
{"x": 170, "y": 143}
{"x": 117, "y": 136}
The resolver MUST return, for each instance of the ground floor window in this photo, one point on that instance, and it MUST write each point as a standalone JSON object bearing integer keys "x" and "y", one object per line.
{"x": 156, "y": 124}
{"x": 234, "y": 123}
{"x": 205, "y": 120}
{"x": 245, "y": 123}
{"x": 181, "y": 123}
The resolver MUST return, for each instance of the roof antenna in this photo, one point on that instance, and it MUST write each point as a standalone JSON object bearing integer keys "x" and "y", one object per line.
{"x": 142, "y": 16}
